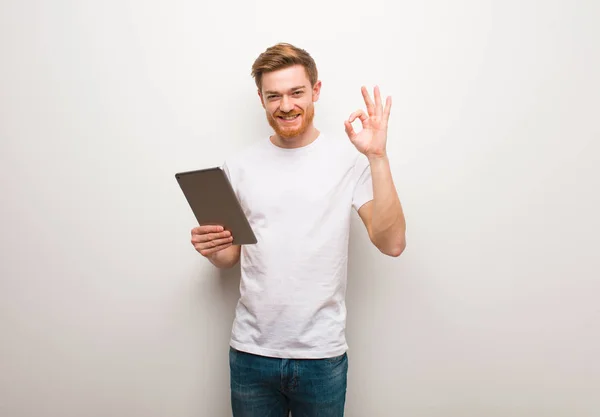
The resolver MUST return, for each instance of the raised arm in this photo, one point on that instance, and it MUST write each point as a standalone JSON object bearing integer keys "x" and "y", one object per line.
{"x": 383, "y": 216}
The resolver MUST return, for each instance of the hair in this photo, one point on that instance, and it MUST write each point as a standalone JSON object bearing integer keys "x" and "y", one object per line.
{"x": 280, "y": 56}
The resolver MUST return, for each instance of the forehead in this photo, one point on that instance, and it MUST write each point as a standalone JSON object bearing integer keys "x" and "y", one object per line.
{"x": 285, "y": 79}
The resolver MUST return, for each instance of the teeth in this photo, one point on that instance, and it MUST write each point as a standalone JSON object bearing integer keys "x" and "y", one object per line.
{"x": 290, "y": 117}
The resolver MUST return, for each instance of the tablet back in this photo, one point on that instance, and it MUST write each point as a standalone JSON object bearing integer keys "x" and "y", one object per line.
{"x": 213, "y": 201}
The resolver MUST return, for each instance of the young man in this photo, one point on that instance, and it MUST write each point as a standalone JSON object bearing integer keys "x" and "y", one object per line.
{"x": 297, "y": 188}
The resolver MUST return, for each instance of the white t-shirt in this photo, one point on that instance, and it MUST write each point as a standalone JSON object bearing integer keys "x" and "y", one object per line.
{"x": 293, "y": 281}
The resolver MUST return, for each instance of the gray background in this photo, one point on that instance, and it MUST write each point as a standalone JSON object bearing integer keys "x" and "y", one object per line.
{"x": 106, "y": 309}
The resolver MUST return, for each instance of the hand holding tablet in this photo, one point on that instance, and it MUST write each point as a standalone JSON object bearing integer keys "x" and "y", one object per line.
{"x": 211, "y": 239}
{"x": 217, "y": 209}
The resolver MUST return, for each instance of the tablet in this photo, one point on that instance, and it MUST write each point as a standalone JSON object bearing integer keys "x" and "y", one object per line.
{"x": 213, "y": 201}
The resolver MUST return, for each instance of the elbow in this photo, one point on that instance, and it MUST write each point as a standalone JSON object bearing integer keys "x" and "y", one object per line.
{"x": 397, "y": 249}
{"x": 393, "y": 249}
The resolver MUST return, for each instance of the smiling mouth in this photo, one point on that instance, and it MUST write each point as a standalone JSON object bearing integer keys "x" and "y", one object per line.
{"x": 288, "y": 118}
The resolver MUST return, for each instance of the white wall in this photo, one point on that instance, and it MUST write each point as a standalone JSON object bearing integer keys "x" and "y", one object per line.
{"x": 105, "y": 308}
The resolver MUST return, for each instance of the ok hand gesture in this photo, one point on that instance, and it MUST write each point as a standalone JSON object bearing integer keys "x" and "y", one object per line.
{"x": 371, "y": 140}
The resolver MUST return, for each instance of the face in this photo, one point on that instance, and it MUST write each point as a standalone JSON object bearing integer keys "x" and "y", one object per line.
{"x": 288, "y": 99}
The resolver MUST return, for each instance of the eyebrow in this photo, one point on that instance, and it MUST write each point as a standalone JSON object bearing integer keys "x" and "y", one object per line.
{"x": 291, "y": 89}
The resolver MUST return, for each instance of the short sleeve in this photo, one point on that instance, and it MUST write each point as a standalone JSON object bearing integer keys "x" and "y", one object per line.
{"x": 363, "y": 189}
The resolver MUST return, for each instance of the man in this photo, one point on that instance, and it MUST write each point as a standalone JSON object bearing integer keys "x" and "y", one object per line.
{"x": 297, "y": 188}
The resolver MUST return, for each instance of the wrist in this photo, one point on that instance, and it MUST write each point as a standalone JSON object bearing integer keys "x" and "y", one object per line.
{"x": 377, "y": 157}
{"x": 222, "y": 259}
{"x": 215, "y": 259}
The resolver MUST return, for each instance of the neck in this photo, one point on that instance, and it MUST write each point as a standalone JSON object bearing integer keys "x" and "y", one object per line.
{"x": 299, "y": 141}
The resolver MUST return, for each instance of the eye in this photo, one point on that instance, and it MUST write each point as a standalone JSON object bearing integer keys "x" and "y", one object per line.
{"x": 297, "y": 93}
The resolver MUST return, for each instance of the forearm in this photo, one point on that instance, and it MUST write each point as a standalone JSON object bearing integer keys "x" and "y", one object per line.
{"x": 226, "y": 258}
{"x": 388, "y": 226}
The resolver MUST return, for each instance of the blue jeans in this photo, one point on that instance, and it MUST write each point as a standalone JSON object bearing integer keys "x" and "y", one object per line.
{"x": 272, "y": 387}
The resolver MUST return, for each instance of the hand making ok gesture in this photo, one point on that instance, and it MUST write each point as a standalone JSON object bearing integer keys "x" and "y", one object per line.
{"x": 371, "y": 140}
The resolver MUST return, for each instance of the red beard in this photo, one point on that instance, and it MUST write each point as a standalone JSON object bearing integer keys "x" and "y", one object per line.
{"x": 292, "y": 131}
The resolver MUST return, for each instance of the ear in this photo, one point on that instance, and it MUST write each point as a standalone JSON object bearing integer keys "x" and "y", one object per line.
{"x": 262, "y": 103}
{"x": 316, "y": 91}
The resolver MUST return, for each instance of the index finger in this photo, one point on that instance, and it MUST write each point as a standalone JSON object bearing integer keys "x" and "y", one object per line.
{"x": 200, "y": 230}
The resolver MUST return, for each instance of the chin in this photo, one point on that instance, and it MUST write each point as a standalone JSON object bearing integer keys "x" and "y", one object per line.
{"x": 290, "y": 136}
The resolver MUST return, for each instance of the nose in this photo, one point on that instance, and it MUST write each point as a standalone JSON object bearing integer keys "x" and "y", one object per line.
{"x": 286, "y": 105}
